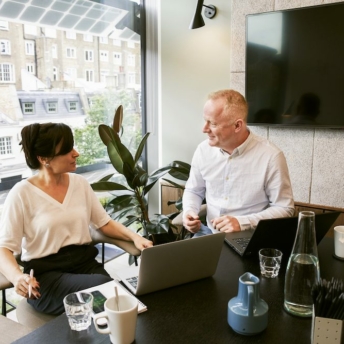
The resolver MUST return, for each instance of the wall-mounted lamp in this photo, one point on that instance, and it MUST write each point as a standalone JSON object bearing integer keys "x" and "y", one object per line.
{"x": 197, "y": 20}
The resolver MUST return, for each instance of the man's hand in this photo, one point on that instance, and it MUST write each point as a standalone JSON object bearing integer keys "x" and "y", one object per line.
{"x": 226, "y": 224}
{"x": 192, "y": 222}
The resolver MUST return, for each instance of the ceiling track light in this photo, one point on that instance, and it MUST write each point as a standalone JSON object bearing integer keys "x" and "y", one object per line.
{"x": 197, "y": 20}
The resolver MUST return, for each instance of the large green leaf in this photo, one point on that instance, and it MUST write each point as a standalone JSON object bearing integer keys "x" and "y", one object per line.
{"x": 129, "y": 174}
{"x": 140, "y": 148}
{"x": 107, "y": 186}
{"x": 107, "y": 134}
{"x": 115, "y": 157}
{"x": 117, "y": 121}
{"x": 154, "y": 177}
{"x": 125, "y": 154}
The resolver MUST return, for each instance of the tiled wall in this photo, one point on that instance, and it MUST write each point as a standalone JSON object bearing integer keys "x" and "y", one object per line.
{"x": 315, "y": 156}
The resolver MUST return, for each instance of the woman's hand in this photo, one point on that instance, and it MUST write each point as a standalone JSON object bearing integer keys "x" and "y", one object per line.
{"x": 22, "y": 287}
{"x": 141, "y": 243}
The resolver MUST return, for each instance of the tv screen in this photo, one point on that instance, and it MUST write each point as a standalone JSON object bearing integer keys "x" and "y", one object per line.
{"x": 295, "y": 67}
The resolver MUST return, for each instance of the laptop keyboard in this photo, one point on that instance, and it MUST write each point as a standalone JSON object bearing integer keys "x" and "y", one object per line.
{"x": 242, "y": 242}
{"x": 133, "y": 281}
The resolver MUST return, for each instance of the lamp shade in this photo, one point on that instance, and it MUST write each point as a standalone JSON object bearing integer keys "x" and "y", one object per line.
{"x": 197, "y": 20}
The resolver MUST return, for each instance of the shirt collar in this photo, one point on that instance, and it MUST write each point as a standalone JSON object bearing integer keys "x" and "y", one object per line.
{"x": 241, "y": 149}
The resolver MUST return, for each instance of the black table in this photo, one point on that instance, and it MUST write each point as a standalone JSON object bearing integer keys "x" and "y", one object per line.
{"x": 197, "y": 312}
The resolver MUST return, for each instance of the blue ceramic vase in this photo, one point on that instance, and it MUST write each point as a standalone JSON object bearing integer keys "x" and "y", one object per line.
{"x": 247, "y": 312}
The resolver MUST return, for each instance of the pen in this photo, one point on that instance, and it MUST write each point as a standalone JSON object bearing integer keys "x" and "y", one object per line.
{"x": 30, "y": 287}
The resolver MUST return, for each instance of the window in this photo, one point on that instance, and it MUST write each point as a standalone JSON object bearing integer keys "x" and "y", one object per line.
{"x": 70, "y": 35}
{"x": 104, "y": 55}
{"x": 30, "y": 29}
{"x": 72, "y": 106}
{"x": 89, "y": 55}
{"x": 103, "y": 74}
{"x": 28, "y": 108}
{"x": 69, "y": 58}
{"x": 30, "y": 67}
{"x": 71, "y": 74}
{"x": 3, "y": 25}
{"x": 71, "y": 53}
{"x": 5, "y": 145}
{"x": 131, "y": 60}
{"x": 130, "y": 44}
{"x": 54, "y": 51}
{"x": 5, "y": 47}
{"x": 131, "y": 79}
{"x": 89, "y": 75}
{"x": 88, "y": 38}
{"x": 6, "y": 72}
{"x": 50, "y": 32}
{"x": 117, "y": 58}
{"x": 55, "y": 74}
{"x": 103, "y": 40}
{"x": 52, "y": 107}
{"x": 29, "y": 47}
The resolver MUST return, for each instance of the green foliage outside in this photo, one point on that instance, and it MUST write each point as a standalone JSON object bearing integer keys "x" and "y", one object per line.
{"x": 87, "y": 141}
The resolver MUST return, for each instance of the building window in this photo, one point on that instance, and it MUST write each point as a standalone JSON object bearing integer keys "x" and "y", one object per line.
{"x": 89, "y": 55}
{"x": 103, "y": 74}
{"x": 55, "y": 74}
{"x": 117, "y": 42}
{"x": 72, "y": 106}
{"x": 104, "y": 55}
{"x": 29, "y": 47}
{"x": 117, "y": 58}
{"x": 50, "y": 32}
{"x": 30, "y": 67}
{"x": 5, "y": 47}
{"x": 54, "y": 51}
{"x": 28, "y": 108}
{"x": 71, "y": 53}
{"x": 70, "y": 74}
{"x": 70, "y": 35}
{"x": 5, "y": 145}
{"x": 131, "y": 60}
{"x": 88, "y": 38}
{"x": 30, "y": 29}
{"x": 3, "y": 25}
{"x": 52, "y": 107}
{"x": 103, "y": 40}
{"x": 131, "y": 79}
{"x": 89, "y": 75}
{"x": 6, "y": 72}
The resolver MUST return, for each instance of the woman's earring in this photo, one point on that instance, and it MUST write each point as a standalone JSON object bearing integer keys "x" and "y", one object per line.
{"x": 47, "y": 165}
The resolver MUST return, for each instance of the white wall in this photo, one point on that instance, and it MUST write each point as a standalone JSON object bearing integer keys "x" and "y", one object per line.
{"x": 193, "y": 64}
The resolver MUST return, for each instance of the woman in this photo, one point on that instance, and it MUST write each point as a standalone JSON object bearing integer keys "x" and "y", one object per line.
{"x": 47, "y": 218}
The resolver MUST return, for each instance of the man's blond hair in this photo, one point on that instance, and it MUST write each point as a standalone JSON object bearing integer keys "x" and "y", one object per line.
{"x": 235, "y": 103}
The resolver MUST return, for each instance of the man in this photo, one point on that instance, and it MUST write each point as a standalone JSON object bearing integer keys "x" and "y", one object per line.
{"x": 244, "y": 178}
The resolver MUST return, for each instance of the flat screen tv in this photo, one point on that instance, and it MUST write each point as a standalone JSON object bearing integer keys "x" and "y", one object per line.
{"x": 295, "y": 67}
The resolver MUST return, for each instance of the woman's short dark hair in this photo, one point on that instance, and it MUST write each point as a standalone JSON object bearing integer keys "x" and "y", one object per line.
{"x": 41, "y": 140}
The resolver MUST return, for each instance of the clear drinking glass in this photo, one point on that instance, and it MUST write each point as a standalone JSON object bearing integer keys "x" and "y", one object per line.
{"x": 78, "y": 308}
{"x": 303, "y": 268}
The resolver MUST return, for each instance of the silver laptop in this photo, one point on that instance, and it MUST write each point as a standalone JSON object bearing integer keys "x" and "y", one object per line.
{"x": 168, "y": 265}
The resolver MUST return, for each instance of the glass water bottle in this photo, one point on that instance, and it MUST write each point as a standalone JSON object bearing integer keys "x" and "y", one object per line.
{"x": 303, "y": 268}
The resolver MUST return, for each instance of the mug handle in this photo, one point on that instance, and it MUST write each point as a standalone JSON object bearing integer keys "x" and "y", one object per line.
{"x": 99, "y": 316}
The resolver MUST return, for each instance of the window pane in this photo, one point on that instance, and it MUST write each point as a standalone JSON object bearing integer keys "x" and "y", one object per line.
{"x": 70, "y": 72}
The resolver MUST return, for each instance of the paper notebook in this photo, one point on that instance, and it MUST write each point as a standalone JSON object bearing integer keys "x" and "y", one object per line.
{"x": 108, "y": 290}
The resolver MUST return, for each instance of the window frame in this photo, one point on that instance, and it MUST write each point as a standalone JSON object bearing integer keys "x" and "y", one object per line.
{"x": 5, "y": 145}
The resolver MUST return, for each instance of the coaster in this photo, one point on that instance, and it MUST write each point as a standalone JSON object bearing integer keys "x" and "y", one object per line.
{"x": 339, "y": 258}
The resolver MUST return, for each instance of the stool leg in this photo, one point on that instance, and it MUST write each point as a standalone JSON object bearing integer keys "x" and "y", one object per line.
{"x": 3, "y": 307}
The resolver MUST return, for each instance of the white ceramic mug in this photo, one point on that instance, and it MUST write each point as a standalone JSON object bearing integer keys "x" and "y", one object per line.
{"x": 339, "y": 241}
{"x": 121, "y": 323}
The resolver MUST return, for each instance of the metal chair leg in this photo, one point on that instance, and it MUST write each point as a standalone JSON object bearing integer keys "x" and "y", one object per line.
{"x": 3, "y": 306}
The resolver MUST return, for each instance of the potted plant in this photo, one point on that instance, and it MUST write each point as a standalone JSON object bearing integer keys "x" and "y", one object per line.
{"x": 129, "y": 187}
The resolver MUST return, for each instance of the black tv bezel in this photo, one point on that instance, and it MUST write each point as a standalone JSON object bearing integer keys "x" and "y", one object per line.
{"x": 287, "y": 125}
